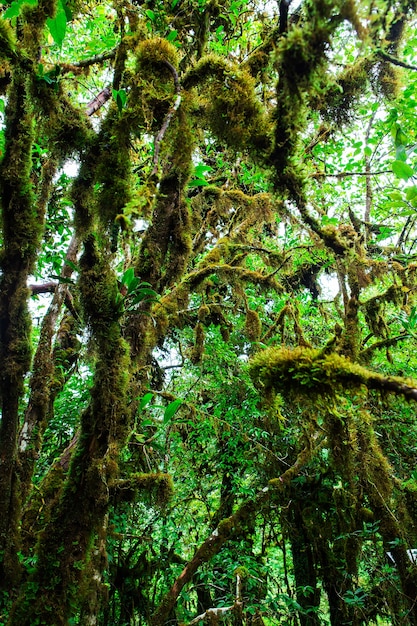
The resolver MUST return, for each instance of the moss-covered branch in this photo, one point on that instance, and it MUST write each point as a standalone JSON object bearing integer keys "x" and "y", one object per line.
{"x": 305, "y": 371}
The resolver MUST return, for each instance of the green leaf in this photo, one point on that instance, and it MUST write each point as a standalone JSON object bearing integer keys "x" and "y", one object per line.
{"x": 128, "y": 276}
{"x": 402, "y": 170}
{"x": 67, "y": 10}
{"x": 171, "y": 409}
{"x": 411, "y": 193}
{"x": 368, "y": 151}
{"x": 150, "y": 14}
{"x": 148, "y": 292}
{"x": 174, "y": 3}
{"x": 57, "y": 26}
{"x": 201, "y": 169}
{"x": 145, "y": 400}
{"x": 141, "y": 297}
{"x": 198, "y": 182}
{"x": 172, "y": 35}
{"x": 400, "y": 138}
{"x": 120, "y": 98}
{"x": 15, "y": 8}
{"x": 133, "y": 284}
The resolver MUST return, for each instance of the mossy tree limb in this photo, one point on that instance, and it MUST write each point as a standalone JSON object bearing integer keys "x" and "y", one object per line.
{"x": 307, "y": 371}
{"x": 42, "y": 389}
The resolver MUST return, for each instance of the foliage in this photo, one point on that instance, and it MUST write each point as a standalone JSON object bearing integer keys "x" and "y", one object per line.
{"x": 208, "y": 312}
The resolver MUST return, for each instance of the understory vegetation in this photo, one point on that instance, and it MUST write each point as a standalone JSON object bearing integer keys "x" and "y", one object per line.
{"x": 208, "y": 313}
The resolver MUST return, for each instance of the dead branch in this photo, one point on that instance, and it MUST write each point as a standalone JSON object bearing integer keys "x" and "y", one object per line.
{"x": 97, "y": 102}
{"x": 44, "y": 288}
{"x": 215, "y": 612}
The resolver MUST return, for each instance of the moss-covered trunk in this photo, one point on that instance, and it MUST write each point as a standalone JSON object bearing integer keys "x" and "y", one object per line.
{"x": 21, "y": 227}
{"x": 55, "y": 588}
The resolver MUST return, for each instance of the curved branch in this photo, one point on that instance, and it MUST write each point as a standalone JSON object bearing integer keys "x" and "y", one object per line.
{"x": 168, "y": 117}
{"x": 98, "y": 58}
{"x": 379, "y": 345}
{"x": 395, "y": 61}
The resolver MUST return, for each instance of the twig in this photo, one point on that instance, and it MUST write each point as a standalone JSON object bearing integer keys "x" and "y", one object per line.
{"x": 368, "y": 185}
{"x": 345, "y": 174}
{"x": 168, "y": 117}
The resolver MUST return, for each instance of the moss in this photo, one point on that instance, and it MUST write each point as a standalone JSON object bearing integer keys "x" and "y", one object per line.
{"x": 301, "y": 57}
{"x": 151, "y": 55}
{"x": 234, "y": 113}
{"x": 306, "y": 371}
{"x": 158, "y": 487}
{"x": 7, "y": 41}
{"x": 337, "y": 98}
{"x": 253, "y": 325}
{"x": 153, "y": 85}
{"x": 33, "y": 21}
{"x": 389, "y": 80}
{"x": 203, "y": 312}
{"x": 67, "y": 127}
{"x": 231, "y": 106}
{"x": 197, "y": 352}
{"x": 113, "y": 169}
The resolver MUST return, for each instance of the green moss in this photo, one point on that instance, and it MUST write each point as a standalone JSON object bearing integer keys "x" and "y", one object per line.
{"x": 158, "y": 487}
{"x": 306, "y": 371}
{"x": 197, "y": 352}
{"x": 153, "y": 84}
{"x": 231, "y": 106}
{"x": 151, "y": 55}
{"x": 337, "y": 99}
{"x": 7, "y": 40}
{"x": 253, "y": 325}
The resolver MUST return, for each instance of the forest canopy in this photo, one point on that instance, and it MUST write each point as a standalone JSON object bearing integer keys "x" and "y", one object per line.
{"x": 208, "y": 312}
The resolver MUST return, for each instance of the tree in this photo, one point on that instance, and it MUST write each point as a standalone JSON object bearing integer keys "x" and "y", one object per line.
{"x": 194, "y": 431}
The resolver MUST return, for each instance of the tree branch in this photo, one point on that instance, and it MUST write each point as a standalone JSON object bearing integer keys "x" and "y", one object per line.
{"x": 346, "y": 174}
{"x": 310, "y": 372}
{"x": 98, "y": 58}
{"x": 395, "y": 61}
{"x": 97, "y": 102}
{"x": 44, "y": 288}
{"x": 168, "y": 117}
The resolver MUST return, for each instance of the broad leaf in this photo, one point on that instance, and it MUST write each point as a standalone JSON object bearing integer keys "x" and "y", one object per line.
{"x": 58, "y": 25}
{"x": 171, "y": 409}
{"x": 402, "y": 170}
